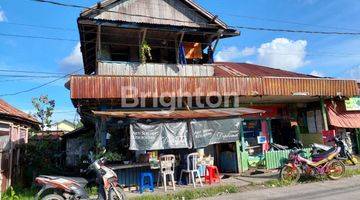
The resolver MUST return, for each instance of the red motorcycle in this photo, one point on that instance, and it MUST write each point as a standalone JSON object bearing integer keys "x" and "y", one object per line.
{"x": 62, "y": 188}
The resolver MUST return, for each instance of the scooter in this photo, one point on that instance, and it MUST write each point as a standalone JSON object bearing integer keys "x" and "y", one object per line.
{"x": 344, "y": 153}
{"x": 62, "y": 188}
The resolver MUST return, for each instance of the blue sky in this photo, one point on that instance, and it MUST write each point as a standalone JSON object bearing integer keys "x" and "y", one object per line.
{"x": 325, "y": 55}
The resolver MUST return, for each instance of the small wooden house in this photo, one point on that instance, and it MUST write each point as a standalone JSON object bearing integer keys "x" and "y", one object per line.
{"x": 14, "y": 130}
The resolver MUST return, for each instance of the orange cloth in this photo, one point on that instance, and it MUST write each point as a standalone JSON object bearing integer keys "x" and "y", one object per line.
{"x": 193, "y": 50}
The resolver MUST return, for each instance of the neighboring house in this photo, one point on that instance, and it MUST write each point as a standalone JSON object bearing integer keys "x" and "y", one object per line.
{"x": 14, "y": 130}
{"x": 117, "y": 93}
{"x": 65, "y": 126}
{"x": 78, "y": 143}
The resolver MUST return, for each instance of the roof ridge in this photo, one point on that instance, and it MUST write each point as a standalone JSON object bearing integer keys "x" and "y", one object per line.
{"x": 190, "y": 3}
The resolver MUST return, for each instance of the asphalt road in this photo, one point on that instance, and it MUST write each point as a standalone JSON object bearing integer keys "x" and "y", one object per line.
{"x": 344, "y": 189}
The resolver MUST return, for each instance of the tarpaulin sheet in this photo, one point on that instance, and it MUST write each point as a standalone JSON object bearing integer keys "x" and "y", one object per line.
{"x": 169, "y": 135}
{"x": 339, "y": 117}
{"x": 208, "y": 132}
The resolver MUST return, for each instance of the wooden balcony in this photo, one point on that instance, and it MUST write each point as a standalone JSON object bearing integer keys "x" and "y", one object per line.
{"x": 115, "y": 68}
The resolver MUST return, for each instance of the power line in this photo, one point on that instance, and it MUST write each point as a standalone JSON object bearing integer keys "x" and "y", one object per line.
{"x": 157, "y": 46}
{"x": 29, "y": 72}
{"x": 27, "y": 76}
{"x": 37, "y": 37}
{"x": 21, "y": 79}
{"x": 40, "y": 26}
{"x": 40, "y": 86}
{"x": 288, "y": 22}
{"x": 236, "y": 27}
{"x": 296, "y": 31}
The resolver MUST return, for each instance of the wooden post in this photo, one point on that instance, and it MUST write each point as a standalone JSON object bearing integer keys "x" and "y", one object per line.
{"x": 242, "y": 139}
{"x": 238, "y": 156}
{"x": 268, "y": 121}
{"x": 177, "y": 46}
{"x": 324, "y": 114}
{"x": 240, "y": 147}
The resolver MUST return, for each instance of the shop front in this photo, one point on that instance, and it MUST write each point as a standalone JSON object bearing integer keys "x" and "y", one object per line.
{"x": 344, "y": 119}
{"x": 139, "y": 138}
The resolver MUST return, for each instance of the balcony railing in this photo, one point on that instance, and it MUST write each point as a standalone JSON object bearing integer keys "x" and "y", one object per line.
{"x": 153, "y": 69}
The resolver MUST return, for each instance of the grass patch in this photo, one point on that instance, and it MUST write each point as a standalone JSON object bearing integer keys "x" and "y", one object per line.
{"x": 309, "y": 179}
{"x": 193, "y": 193}
{"x": 18, "y": 193}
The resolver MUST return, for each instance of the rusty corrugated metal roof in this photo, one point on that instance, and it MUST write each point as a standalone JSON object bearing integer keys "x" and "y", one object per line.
{"x": 244, "y": 69}
{"x": 117, "y": 87}
{"x": 181, "y": 114}
{"x": 340, "y": 117}
{"x": 8, "y": 110}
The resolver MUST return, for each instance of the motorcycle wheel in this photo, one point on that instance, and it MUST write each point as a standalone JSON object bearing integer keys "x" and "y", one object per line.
{"x": 52, "y": 197}
{"x": 336, "y": 169}
{"x": 114, "y": 196}
{"x": 290, "y": 174}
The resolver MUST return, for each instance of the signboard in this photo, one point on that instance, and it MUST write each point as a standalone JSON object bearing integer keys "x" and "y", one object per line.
{"x": 261, "y": 139}
{"x": 353, "y": 104}
{"x": 169, "y": 135}
{"x": 208, "y": 132}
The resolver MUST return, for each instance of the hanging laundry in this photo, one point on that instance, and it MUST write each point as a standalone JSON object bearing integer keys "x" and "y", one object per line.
{"x": 182, "y": 58}
{"x": 193, "y": 50}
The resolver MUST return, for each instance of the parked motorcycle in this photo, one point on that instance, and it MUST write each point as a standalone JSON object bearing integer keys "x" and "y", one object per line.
{"x": 345, "y": 153}
{"x": 321, "y": 164}
{"x": 62, "y": 188}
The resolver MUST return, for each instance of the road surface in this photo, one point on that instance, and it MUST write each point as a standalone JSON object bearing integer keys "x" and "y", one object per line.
{"x": 344, "y": 189}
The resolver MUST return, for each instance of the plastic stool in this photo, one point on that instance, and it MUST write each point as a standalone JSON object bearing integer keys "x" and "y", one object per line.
{"x": 212, "y": 174}
{"x": 146, "y": 185}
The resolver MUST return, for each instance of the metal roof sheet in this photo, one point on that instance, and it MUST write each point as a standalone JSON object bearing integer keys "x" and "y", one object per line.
{"x": 7, "y": 109}
{"x": 252, "y": 70}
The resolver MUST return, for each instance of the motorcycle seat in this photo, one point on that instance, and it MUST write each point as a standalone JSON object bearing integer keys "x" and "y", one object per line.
{"x": 81, "y": 181}
{"x": 324, "y": 154}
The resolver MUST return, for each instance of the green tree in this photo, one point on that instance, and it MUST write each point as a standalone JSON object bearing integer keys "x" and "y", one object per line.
{"x": 44, "y": 109}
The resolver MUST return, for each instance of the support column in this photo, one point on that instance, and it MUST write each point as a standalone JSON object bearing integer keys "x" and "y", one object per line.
{"x": 324, "y": 114}
{"x": 241, "y": 154}
{"x": 268, "y": 121}
{"x": 238, "y": 156}
{"x": 100, "y": 132}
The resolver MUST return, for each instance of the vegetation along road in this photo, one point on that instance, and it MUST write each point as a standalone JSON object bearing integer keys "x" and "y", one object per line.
{"x": 346, "y": 188}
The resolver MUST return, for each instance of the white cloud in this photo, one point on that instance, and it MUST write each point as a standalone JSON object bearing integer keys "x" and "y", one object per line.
{"x": 317, "y": 73}
{"x": 353, "y": 73}
{"x": 2, "y": 16}
{"x": 73, "y": 61}
{"x": 233, "y": 53}
{"x": 283, "y": 53}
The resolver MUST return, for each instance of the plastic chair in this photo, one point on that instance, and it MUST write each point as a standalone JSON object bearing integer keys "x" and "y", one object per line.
{"x": 146, "y": 185}
{"x": 167, "y": 168}
{"x": 192, "y": 169}
{"x": 212, "y": 174}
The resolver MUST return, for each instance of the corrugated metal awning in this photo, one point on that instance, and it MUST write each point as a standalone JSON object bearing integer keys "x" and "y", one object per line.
{"x": 339, "y": 117}
{"x": 181, "y": 114}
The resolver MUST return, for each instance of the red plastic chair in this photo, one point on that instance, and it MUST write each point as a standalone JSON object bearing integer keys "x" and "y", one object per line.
{"x": 212, "y": 174}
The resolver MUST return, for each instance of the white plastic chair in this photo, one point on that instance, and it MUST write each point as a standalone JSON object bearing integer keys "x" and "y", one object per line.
{"x": 192, "y": 170}
{"x": 167, "y": 168}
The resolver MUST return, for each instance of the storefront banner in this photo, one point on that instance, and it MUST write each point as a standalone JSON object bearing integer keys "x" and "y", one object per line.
{"x": 208, "y": 132}
{"x": 170, "y": 135}
{"x": 353, "y": 104}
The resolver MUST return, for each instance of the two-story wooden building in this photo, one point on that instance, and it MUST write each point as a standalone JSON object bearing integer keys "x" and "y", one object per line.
{"x": 151, "y": 62}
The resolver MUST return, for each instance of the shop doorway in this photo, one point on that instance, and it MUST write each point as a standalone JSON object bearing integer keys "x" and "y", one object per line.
{"x": 282, "y": 132}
